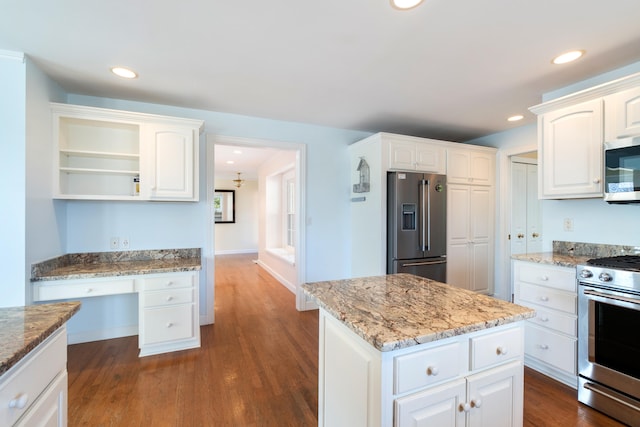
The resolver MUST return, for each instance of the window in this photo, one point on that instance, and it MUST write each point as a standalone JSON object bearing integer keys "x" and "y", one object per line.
{"x": 281, "y": 233}
{"x": 289, "y": 210}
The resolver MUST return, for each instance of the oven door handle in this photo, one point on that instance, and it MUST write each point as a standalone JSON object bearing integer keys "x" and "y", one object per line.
{"x": 611, "y": 296}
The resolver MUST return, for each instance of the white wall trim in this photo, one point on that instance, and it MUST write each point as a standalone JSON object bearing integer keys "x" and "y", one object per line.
{"x": 101, "y": 334}
{"x": 301, "y": 190}
{"x": 278, "y": 277}
{"x": 238, "y": 251}
{"x": 9, "y": 54}
{"x": 503, "y": 219}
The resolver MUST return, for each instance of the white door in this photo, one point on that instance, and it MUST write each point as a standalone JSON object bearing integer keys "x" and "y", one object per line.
{"x": 526, "y": 226}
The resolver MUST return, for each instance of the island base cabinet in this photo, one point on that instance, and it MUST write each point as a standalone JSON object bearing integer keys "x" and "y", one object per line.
{"x": 473, "y": 379}
{"x": 491, "y": 398}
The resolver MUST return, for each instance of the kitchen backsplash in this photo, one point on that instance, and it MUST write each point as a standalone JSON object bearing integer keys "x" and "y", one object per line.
{"x": 593, "y": 249}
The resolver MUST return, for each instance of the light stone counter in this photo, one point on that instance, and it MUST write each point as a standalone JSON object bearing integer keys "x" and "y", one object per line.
{"x": 23, "y": 328}
{"x": 401, "y": 310}
{"x": 553, "y": 258}
{"x": 119, "y": 263}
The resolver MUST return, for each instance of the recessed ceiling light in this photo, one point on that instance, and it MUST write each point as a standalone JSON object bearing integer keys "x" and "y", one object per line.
{"x": 237, "y": 152}
{"x": 405, "y": 4}
{"x": 515, "y": 118}
{"x": 568, "y": 57}
{"x": 124, "y": 72}
{"x": 230, "y": 162}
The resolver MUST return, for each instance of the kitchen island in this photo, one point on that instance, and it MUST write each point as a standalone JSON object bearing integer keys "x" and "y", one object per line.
{"x": 401, "y": 350}
{"x": 33, "y": 364}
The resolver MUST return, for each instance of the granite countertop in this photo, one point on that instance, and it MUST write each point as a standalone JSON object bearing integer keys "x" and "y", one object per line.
{"x": 401, "y": 310}
{"x": 553, "y": 258}
{"x": 23, "y": 328}
{"x": 110, "y": 264}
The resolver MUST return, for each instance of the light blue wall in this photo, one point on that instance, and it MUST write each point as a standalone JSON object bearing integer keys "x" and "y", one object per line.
{"x": 162, "y": 225}
{"x": 12, "y": 182}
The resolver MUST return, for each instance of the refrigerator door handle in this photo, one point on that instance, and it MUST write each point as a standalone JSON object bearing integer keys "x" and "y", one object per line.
{"x": 415, "y": 264}
{"x": 426, "y": 216}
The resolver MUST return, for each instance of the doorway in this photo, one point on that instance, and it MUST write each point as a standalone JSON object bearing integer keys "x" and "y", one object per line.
{"x": 298, "y": 152}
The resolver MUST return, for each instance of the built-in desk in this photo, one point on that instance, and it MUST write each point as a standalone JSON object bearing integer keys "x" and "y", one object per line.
{"x": 166, "y": 281}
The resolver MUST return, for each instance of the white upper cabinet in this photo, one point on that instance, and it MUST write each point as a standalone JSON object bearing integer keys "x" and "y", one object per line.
{"x": 470, "y": 166}
{"x": 622, "y": 114}
{"x": 171, "y": 158}
{"x": 570, "y": 144}
{"x": 102, "y": 154}
{"x": 415, "y": 154}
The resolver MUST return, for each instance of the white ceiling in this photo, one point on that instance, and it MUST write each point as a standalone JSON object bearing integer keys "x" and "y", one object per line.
{"x": 450, "y": 69}
{"x": 246, "y": 160}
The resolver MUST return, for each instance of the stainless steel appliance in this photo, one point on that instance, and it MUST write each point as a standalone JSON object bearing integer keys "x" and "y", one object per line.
{"x": 416, "y": 224}
{"x": 609, "y": 336}
{"x": 622, "y": 171}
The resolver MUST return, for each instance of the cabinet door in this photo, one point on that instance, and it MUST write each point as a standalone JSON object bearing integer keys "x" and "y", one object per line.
{"x": 571, "y": 149}
{"x": 496, "y": 397}
{"x": 402, "y": 155}
{"x": 430, "y": 158}
{"x": 439, "y": 406}
{"x": 622, "y": 114}
{"x": 470, "y": 167}
{"x": 50, "y": 408}
{"x": 458, "y": 219}
{"x": 172, "y": 163}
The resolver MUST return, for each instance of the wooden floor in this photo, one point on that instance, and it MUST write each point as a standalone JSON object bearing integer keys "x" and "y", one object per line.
{"x": 257, "y": 367}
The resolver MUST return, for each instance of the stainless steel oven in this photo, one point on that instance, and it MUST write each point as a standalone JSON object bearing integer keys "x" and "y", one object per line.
{"x": 609, "y": 336}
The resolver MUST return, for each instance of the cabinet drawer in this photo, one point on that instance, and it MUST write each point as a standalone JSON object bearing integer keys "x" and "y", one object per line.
{"x": 550, "y": 347}
{"x": 168, "y": 323}
{"x": 81, "y": 289}
{"x": 426, "y": 367}
{"x": 168, "y": 282}
{"x": 546, "y": 297}
{"x": 563, "y": 323}
{"x": 168, "y": 297}
{"x": 494, "y": 348}
{"x": 553, "y": 277}
{"x": 31, "y": 376}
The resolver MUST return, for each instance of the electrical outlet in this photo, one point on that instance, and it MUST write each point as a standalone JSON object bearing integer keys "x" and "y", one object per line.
{"x": 125, "y": 243}
{"x": 114, "y": 243}
{"x": 568, "y": 224}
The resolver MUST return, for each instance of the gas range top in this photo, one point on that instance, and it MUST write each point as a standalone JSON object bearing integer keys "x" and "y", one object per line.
{"x": 622, "y": 262}
{"x": 617, "y": 272}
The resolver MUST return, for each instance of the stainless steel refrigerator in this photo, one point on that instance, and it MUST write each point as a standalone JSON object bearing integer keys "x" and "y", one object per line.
{"x": 416, "y": 224}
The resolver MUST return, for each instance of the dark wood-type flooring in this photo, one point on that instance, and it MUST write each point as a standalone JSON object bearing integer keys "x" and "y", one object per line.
{"x": 257, "y": 367}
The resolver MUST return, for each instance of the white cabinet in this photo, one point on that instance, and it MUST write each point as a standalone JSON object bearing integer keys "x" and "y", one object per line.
{"x": 471, "y": 166}
{"x": 34, "y": 391}
{"x": 551, "y": 336}
{"x": 102, "y": 154}
{"x": 168, "y": 313}
{"x": 172, "y": 158}
{"x": 470, "y": 237}
{"x": 474, "y": 379}
{"x": 622, "y": 114}
{"x": 416, "y": 154}
{"x": 570, "y": 148}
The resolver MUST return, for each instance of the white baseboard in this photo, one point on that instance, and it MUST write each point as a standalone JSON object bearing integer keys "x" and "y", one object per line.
{"x": 278, "y": 277}
{"x": 237, "y": 251}
{"x": 101, "y": 334}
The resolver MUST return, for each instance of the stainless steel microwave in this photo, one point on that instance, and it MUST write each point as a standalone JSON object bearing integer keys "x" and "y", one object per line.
{"x": 622, "y": 171}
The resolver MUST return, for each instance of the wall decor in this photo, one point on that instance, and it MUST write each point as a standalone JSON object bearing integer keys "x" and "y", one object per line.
{"x": 224, "y": 206}
{"x": 364, "y": 174}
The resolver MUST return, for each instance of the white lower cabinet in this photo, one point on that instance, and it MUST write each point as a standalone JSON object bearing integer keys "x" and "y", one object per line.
{"x": 475, "y": 379}
{"x": 34, "y": 391}
{"x": 168, "y": 305}
{"x": 484, "y": 399}
{"x": 168, "y": 313}
{"x": 550, "y": 337}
